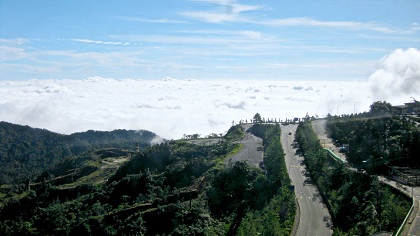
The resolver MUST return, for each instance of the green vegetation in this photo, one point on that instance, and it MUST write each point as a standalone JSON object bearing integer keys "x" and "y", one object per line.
{"x": 90, "y": 168}
{"x": 25, "y": 152}
{"x": 235, "y": 133}
{"x": 358, "y": 203}
{"x": 178, "y": 184}
{"x": 257, "y": 118}
{"x": 378, "y": 140}
{"x": 276, "y": 218}
{"x": 274, "y": 210}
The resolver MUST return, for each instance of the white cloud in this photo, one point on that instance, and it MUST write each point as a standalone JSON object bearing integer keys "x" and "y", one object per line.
{"x": 99, "y": 42}
{"x": 283, "y": 65}
{"x": 227, "y": 11}
{"x": 230, "y": 11}
{"x": 231, "y": 6}
{"x": 11, "y": 53}
{"x": 19, "y": 67}
{"x": 139, "y": 19}
{"x": 169, "y": 107}
{"x": 185, "y": 39}
{"x": 239, "y": 105}
{"x": 254, "y": 35}
{"x": 350, "y": 25}
{"x": 251, "y": 34}
{"x": 213, "y": 17}
{"x": 398, "y": 76}
{"x": 113, "y": 59}
{"x": 16, "y": 41}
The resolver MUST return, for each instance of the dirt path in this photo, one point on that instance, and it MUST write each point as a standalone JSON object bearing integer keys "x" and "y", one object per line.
{"x": 252, "y": 151}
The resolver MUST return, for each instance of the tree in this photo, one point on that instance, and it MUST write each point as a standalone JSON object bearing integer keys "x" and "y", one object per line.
{"x": 381, "y": 108}
{"x": 257, "y": 118}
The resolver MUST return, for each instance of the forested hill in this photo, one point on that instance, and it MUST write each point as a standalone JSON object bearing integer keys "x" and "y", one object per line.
{"x": 188, "y": 188}
{"x": 26, "y": 152}
{"x": 378, "y": 141}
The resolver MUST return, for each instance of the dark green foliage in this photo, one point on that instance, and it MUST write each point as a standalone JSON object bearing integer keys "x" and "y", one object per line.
{"x": 119, "y": 138}
{"x": 358, "y": 203}
{"x": 163, "y": 183}
{"x": 274, "y": 207}
{"x": 69, "y": 169}
{"x": 376, "y": 143}
{"x": 276, "y": 218}
{"x": 381, "y": 109}
{"x": 176, "y": 184}
{"x": 181, "y": 158}
{"x": 234, "y": 133}
{"x": 274, "y": 158}
{"x": 259, "y": 130}
{"x": 257, "y": 118}
{"x": 273, "y": 155}
{"x": 232, "y": 189}
{"x": 25, "y": 151}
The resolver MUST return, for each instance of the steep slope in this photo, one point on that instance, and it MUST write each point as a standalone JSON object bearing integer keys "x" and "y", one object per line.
{"x": 186, "y": 187}
{"x": 26, "y": 152}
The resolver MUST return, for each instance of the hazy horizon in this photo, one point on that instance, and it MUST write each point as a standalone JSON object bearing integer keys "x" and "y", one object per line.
{"x": 79, "y": 65}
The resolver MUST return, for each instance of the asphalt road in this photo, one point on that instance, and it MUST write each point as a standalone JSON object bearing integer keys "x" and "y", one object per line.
{"x": 413, "y": 224}
{"x": 314, "y": 216}
{"x": 319, "y": 128}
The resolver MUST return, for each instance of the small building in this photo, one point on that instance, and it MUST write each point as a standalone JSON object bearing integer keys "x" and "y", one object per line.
{"x": 408, "y": 108}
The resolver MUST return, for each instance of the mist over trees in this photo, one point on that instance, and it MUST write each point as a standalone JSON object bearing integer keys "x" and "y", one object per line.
{"x": 26, "y": 152}
{"x": 87, "y": 183}
{"x": 185, "y": 187}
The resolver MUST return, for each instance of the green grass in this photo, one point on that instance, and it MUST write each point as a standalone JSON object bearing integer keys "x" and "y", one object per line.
{"x": 235, "y": 133}
{"x": 106, "y": 168}
{"x": 238, "y": 148}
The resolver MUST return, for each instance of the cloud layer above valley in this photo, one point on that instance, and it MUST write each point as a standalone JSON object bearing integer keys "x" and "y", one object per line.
{"x": 170, "y": 107}
{"x": 173, "y": 107}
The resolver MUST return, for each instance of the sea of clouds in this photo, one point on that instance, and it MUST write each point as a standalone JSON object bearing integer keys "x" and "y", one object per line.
{"x": 173, "y": 107}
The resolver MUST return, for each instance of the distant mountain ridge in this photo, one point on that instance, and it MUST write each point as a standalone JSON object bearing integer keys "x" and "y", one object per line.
{"x": 25, "y": 151}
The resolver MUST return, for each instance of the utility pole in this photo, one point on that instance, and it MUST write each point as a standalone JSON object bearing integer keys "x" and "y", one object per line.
{"x": 355, "y": 107}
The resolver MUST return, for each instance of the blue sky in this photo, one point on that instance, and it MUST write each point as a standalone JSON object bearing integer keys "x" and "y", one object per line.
{"x": 203, "y": 39}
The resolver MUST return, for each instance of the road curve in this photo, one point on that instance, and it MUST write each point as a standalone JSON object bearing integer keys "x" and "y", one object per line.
{"x": 413, "y": 226}
{"x": 314, "y": 216}
{"x": 326, "y": 142}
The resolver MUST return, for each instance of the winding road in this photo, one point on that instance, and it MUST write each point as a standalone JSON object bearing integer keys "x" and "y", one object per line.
{"x": 315, "y": 219}
{"x": 314, "y": 216}
{"x": 412, "y": 226}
